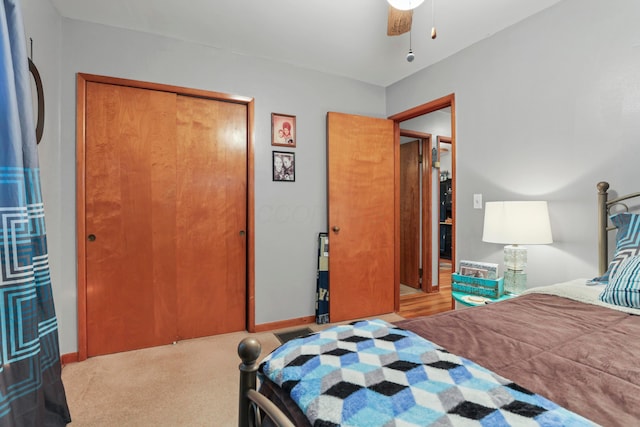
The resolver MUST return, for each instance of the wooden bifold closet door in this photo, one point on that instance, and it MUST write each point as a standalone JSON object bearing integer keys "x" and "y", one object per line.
{"x": 165, "y": 215}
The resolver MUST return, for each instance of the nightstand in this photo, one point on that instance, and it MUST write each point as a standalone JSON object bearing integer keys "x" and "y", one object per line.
{"x": 462, "y": 300}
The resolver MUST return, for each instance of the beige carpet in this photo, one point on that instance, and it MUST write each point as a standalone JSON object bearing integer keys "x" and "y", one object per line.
{"x": 191, "y": 383}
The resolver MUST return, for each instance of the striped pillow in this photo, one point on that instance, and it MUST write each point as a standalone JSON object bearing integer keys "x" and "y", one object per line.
{"x": 624, "y": 286}
{"x": 627, "y": 242}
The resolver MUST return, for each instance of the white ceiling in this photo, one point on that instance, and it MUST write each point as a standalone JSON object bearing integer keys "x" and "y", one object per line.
{"x": 343, "y": 37}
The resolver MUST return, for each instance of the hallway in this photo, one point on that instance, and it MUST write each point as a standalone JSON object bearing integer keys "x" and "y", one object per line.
{"x": 414, "y": 303}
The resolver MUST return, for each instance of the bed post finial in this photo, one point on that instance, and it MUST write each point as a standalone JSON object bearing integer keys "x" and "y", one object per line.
{"x": 249, "y": 352}
{"x": 603, "y": 187}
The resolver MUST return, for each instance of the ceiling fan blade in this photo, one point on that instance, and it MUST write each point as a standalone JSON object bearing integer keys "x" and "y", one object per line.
{"x": 399, "y": 21}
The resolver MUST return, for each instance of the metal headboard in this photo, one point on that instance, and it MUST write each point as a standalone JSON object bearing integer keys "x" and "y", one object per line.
{"x": 604, "y": 210}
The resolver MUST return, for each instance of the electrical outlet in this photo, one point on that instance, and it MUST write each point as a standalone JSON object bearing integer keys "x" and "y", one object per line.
{"x": 477, "y": 201}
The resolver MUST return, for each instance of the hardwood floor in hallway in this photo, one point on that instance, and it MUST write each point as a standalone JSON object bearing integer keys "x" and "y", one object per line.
{"x": 421, "y": 304}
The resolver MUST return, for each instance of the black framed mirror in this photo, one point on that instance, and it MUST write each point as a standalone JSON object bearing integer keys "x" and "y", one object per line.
{"x": 40, "y": 92}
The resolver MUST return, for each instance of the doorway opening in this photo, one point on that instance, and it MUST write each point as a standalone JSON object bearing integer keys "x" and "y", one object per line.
{"x": 445, "y": 217}
{"x": 429, "y": 130}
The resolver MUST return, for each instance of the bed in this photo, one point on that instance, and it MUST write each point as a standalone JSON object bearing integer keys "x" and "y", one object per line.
{"x": 562, "y": 354}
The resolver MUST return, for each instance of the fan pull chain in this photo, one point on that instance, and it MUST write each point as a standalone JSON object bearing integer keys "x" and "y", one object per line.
{"x": 434, "y": 33}
{"x": 410, "y": 55}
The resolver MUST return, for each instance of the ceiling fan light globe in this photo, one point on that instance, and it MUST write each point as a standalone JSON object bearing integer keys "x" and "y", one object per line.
{"x": 410, "y": 56}
{"x": 405, "y": 4}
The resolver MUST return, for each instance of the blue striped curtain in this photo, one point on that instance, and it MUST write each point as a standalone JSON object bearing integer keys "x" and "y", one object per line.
{"x": 31, "y": 390}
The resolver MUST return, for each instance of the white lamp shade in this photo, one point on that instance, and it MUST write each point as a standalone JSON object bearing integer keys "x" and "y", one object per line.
{"x": 405, "y": 4}
{"x": 517, "y": 223}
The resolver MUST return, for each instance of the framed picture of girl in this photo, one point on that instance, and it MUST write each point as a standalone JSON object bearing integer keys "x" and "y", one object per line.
{"x": 284, "y": 166}
{"x": 283, "y": 130}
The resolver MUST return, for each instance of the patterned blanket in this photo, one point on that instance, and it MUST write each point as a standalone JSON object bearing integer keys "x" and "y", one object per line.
{"x": 373, "y": 374}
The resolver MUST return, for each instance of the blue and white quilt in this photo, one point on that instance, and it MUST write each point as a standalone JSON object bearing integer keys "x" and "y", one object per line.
{"x": 372, "y": 374}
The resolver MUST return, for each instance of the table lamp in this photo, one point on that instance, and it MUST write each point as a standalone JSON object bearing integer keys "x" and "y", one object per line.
{"x": 514, "y": 224}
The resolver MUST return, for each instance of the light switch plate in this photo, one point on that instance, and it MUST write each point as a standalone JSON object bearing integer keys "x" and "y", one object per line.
{"x": 477, "y": 201}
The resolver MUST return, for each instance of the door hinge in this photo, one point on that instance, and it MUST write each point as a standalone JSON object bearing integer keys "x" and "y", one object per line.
{"x": 420, "y": 159}
{"x": 420, "y": 273}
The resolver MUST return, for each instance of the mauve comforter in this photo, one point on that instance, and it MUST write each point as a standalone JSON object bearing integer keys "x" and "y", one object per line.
{"x": 583, "y": 357}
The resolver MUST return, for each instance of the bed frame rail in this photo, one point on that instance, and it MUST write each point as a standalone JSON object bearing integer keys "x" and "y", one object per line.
{"x": 252, "y": 404}
{"x": 604, "y": 210}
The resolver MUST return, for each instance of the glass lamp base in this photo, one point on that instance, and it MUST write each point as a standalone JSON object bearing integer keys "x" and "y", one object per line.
{"x": 515, "y": 281}
{"x": 515, "y": 257}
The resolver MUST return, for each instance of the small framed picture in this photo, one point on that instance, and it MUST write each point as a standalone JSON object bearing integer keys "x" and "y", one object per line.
{"x": 484, "y": 270}
{"x": 474, "y": 272}
{"x": 283, "y": 130}
{"x": 284, "y": 166}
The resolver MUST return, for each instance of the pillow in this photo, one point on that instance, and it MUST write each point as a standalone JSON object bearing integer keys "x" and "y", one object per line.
{"x": 627, "y": 242}
{"x": 624, "y": 285}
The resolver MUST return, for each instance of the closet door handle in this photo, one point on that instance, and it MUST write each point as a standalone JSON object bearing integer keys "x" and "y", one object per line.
{"x": 91, "y": 237}
{"x": 336, "y": 229}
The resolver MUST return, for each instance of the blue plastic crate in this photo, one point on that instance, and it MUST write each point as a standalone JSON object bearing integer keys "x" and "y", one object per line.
{"x": 490, "y": 288}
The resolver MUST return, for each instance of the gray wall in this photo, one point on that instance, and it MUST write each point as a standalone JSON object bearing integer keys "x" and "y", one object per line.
{"x": 288, "y": 215}
{"x": 544, "y": 110}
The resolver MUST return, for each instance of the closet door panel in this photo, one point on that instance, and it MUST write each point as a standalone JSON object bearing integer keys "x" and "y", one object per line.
{"x": 130, "y": 218}
{"x": 211, "y": 216}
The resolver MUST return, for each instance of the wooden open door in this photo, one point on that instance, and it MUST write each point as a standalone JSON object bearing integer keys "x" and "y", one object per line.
{"x": 361, "y": 162}
{"x": 410, "y": 209}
